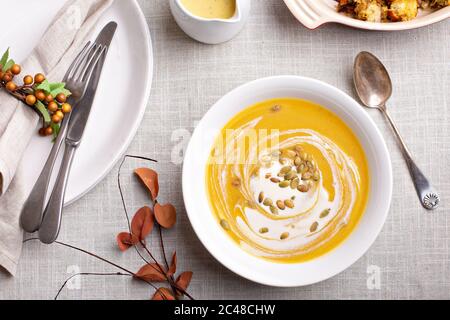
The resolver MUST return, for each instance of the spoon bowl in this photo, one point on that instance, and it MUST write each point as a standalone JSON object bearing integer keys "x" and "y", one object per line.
{"x": 372, "y": 82}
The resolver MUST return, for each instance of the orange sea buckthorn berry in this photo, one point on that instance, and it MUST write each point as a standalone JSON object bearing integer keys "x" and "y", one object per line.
{"x": 39, "y": 78}
{"x": 56, "y": 119}
{"x": 11, "y": 86}
{"x": 66, "y": 108}
{"x": 7, "y": 77}
{"x": 61, "y": 98}
{"x": 15, "y": 69}
{"x": 40, "y": 95}
{"x": 30, "y": 100}
{"x": 27, "y": 80}
{"x": 52, "y": 106}
{"x": 48, "y": 131}
{"x": 48, "y": 98}
{"x": 59, "y": 114}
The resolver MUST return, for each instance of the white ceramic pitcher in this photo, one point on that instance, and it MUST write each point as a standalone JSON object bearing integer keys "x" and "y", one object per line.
{"x": 211, "y": 31}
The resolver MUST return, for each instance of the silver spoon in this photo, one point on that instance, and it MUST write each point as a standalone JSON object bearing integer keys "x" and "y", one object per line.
{"x": 374, "y": 87}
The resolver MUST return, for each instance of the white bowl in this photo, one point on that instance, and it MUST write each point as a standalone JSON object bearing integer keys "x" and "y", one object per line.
{"x": 222, "y": 247}
{"x": 314, "y": 13}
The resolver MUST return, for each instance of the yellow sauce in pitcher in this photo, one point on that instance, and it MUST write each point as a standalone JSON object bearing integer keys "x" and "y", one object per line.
{"x": 211, "y": 9}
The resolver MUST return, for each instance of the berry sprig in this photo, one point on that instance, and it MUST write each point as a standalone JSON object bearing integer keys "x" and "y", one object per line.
{"x": 49, "y": 100}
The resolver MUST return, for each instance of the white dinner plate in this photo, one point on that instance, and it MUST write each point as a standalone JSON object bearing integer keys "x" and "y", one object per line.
{"x": 314, "y": 13}
{"x": 121, "y": 98}
{"x": 222, "y": 247}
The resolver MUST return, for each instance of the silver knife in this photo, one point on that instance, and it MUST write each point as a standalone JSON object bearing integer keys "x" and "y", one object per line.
{"x": 49, "y": 229}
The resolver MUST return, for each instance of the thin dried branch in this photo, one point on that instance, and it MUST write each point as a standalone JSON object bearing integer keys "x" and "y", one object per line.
{"x": 88, "y": 274}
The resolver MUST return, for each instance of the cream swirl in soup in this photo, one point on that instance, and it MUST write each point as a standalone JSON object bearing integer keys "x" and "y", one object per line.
{"x": 287, "y": 180}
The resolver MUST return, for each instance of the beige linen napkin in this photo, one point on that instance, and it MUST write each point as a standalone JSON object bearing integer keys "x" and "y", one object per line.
{"x": 58, "y": 47}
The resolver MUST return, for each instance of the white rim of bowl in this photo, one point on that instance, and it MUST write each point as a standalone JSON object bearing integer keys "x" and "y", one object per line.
{"x": 188, "y": 197}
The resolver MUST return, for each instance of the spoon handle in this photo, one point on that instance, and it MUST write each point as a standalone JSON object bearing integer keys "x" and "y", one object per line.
{"x": 427, "y": 195}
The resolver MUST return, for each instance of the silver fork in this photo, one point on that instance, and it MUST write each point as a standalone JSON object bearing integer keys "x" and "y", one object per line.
{"x": 77, "y": 79}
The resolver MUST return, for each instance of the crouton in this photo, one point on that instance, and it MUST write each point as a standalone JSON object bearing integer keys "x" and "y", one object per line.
{"x": 402, "y": 10}
{"x": 368, "y": 10}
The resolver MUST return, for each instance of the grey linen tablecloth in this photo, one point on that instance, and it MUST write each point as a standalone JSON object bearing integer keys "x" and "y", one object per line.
{"x": 411, "y": 257}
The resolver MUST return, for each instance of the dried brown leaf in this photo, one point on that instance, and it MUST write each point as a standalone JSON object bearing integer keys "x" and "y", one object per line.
{"x": 166, "y": 215}
{"x": 149, "y": 178}
{"x": 184, "y": 280}
{"x": 142, "y": 223}
{"x": 125, "y": 240}
{"x": 163, "y": 294}
{"x": 173, "y": 265}
{"x": 151, "y": 272}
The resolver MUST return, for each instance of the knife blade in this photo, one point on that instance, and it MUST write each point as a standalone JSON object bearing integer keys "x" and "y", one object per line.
{"x": 49, "y": 229}
{"x": 80, "y": 115}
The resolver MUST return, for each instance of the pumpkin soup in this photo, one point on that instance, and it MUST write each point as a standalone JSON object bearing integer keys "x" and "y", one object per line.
{"x": 211, "y": 9}
{"x": 287, "y": 180}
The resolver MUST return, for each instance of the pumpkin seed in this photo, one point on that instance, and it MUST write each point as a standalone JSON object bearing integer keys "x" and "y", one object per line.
{"x": 325, "y": 213}
{"x": 284, "y": 235}
{"x": 303, "y": 188}
{"x": 276, "y": 108}
{"x": 297, "y": 161}
{"x": 261, "y": 197}
{"x": 290, "y": 153}
{"x": 303, "y": 155}
{"x": 293, "y": 198}
{"x": 281, "y": 205}
{"x": 316, "y": 176}
{"x": 289, "y": 203}
{"x": 314, "y": 226}
{"x": 267, "y": 202}
{"x": 284, "y": 184}
{"x": 290, "y": 175}
{"x": 224, "y": 223}
{"x": 236, "y": 182}
{"x": 306, "y": 176}
{"x": 263, "y": 230}
{"x": 273, "y": 209}
{"x": 295, "y": 182}
{"x": 275, "y": 180}
{"x": 285, "y": 169}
